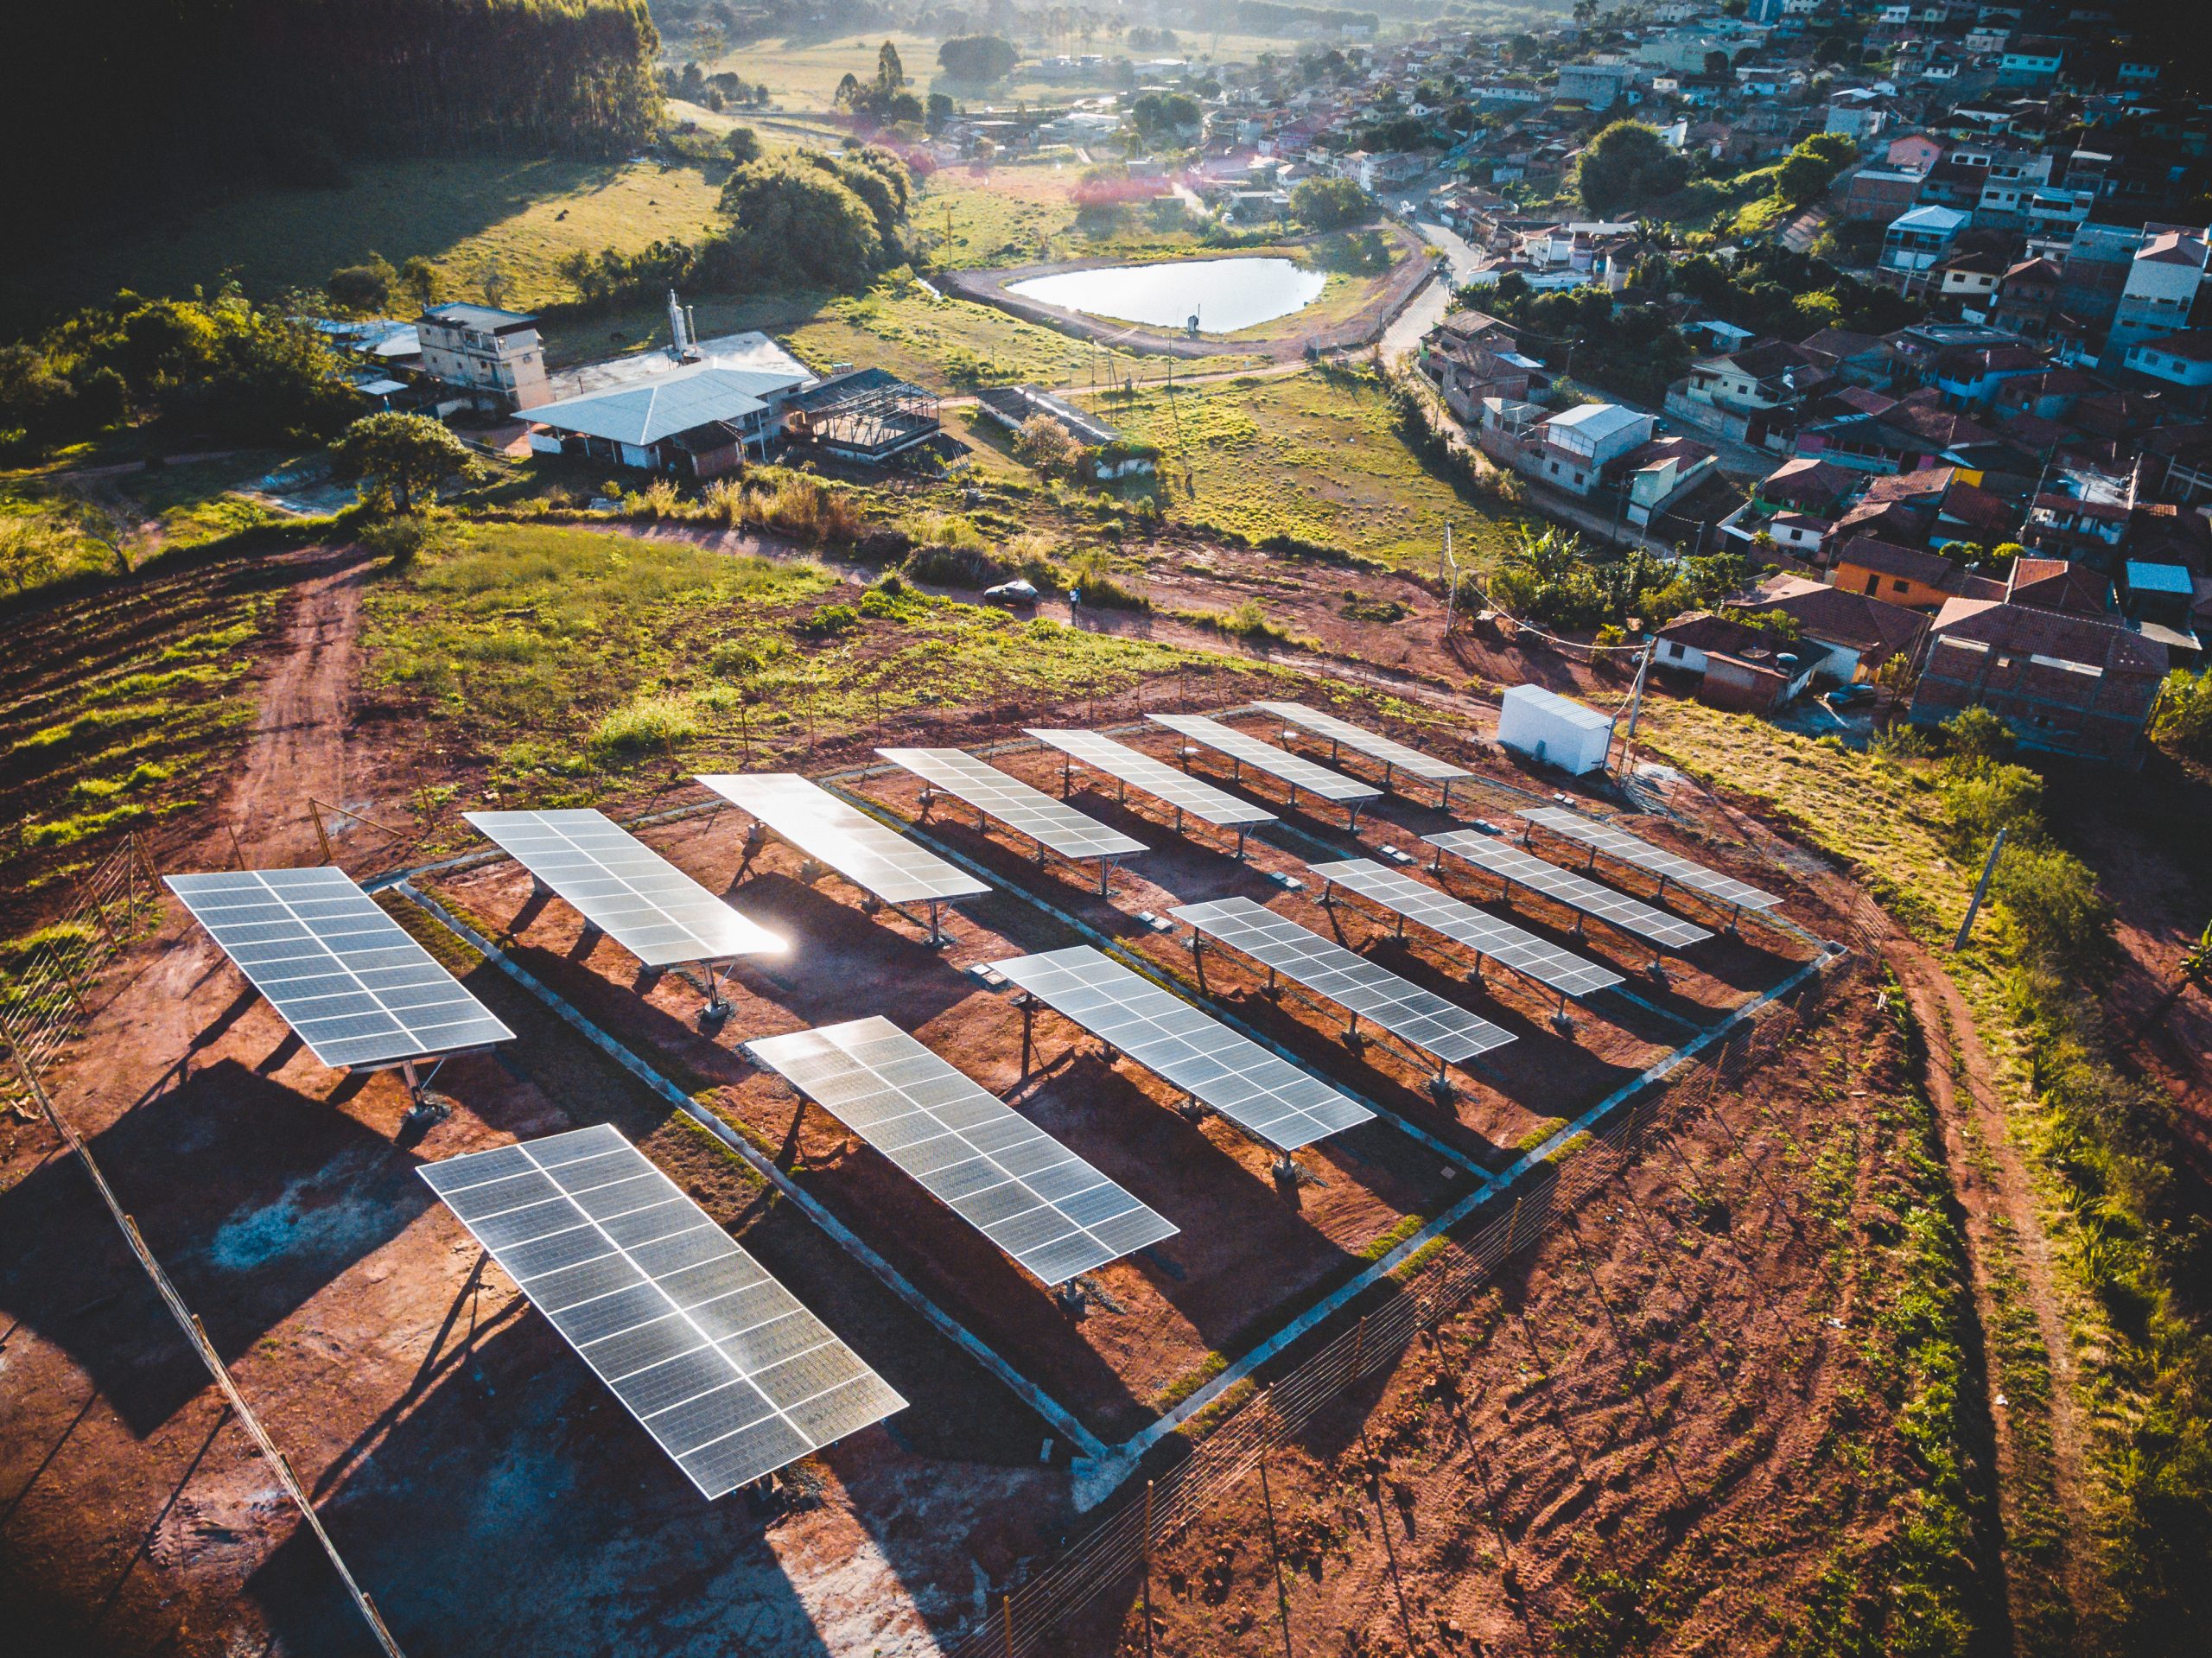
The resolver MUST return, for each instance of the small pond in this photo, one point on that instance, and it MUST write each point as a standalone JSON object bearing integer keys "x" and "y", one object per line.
{"x": 1224, "y": 294}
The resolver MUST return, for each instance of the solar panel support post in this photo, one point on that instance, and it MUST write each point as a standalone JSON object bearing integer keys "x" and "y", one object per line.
{"x": 315, "y": 816}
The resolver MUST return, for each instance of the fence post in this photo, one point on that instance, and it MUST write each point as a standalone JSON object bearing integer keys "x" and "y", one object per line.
{"x": 1274, "y": 1553}
{"x": 1006, "y": 1620}
{"x": 1147, "y": 1567}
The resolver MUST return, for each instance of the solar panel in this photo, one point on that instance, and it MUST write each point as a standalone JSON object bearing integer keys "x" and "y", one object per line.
{"x": 1052, "y": 824}
{"x": 625, "y": 888}
{"x": 716, "y": 1359}
{"x": 1298, "y": 772}
{"x": 1155, "y": 777}
{"x": 1345, "y": 977}
{"x": 870, "y": 854}
{"x": 1668, "y": 866}
{"x": 1564, "y": 886}
{"x": 1268, "y": 1098}
{"x": 1342, "y": 734}
{"x": 1463, "y": 923}
{"x": 340, "y": 971}
{"x": 1023, "y": 1189}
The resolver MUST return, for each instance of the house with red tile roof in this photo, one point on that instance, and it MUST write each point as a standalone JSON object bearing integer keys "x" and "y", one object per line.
{"x": 2063, "y": 684}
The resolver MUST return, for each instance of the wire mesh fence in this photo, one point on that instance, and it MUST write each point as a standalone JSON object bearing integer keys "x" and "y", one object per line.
{"x": 42, "y": 996}
{"x": 1045, "y": 1613}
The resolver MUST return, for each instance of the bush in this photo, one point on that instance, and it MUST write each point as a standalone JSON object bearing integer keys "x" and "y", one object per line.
{"x": 1331, "y": 204}
{"x": 1090, "y": 572}
{"x": 2183, "y": 724}
{"x": 644, "y": 724}
{"x": 829, "y": 622}
{"x": 405, "y": 536}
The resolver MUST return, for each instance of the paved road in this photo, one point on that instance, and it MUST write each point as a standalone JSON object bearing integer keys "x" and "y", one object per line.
{"x": 1427, "y": 308}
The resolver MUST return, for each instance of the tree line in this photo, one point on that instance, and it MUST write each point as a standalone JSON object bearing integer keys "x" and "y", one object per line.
{"x": 131, "y": 99}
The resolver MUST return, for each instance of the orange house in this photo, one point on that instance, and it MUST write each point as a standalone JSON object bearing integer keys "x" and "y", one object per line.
{"x": 1895, "y": 575}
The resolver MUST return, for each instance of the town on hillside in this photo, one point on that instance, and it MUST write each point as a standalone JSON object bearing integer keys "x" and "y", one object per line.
{"x": 967, "y": 828}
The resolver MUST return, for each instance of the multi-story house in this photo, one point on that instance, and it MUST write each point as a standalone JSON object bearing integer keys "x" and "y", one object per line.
{"x": 1916, "y": 242}
{"x": 2161, "y": 288}
{"x": 494, "y": 358}
{"x": 2064, "y": 684}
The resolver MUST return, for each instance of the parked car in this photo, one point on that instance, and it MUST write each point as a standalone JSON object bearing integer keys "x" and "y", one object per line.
{"x": 1016, "y": 593}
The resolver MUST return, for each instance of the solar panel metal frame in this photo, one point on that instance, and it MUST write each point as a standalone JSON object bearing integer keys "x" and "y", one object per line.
{"x": 731, "y": 1375}
{"x": 1040, "y": 1203}
{"x": 343, "y": 976}
{"x": 625, "y": 888}
{"x": 1342, "y": 734}
{"x": 1293, "y": 770}
{"x": 1471, "y": 928}
{"x": 1267, "y": 1097}
{"x": 1523, "y": 868}
{"x": 1620, "y": 845}
{"x": 1133, "y": 768}
{"x": 1054, "y": 825}
{"x": 866, "y": 851}
{"x": 1345, "y": 978}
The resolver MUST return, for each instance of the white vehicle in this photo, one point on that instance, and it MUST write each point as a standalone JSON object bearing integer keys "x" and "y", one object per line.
{"x": 1016, "y": 592}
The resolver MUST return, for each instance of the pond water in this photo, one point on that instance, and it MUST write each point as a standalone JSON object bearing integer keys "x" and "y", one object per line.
{"x": 1224, "y": 294}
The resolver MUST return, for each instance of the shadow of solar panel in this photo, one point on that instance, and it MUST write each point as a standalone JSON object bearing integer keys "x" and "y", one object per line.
{"x": 343, "y": 974}
{"x": 625, "y": 888}
{"x": 1290, "y": 768}
{"x": 1155, "y": 777}
{"x": 1267, "y": 1097}
{"x": 1020, "y": 1187}
{"x": 731, "y": 1375}
{"x": 1564, "y": 886}
{"x": 1449, "y": 917}
{"x": 1346, "y": 978}
{"x": 1052, "y": 824}
{"x": 871, "y": 854}
{"x": 1627, "y": 848}
{"x": 1343, "y": 733}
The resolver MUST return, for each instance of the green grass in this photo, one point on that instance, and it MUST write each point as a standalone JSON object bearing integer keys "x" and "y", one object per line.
{"x": 1315, "y": 457}
{"x": 460, "y": 213}
{"x": 569, "y": 657}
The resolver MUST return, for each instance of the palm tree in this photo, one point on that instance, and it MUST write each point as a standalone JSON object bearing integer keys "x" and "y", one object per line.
{"x": 2196, "y": 971}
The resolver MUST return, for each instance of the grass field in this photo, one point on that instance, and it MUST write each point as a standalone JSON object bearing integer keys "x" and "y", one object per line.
{"x": 804, "y": 75}
{"x": 1319, "y": 458}
{"x": 586, "y": 654}
{"x": 525, "y": 214}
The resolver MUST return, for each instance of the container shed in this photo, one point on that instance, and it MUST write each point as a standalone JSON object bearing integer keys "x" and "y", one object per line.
{"x": 1555, "y": 729}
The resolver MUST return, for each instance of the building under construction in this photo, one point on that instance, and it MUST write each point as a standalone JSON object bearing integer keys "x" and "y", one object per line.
{"x": 865, "y": 414}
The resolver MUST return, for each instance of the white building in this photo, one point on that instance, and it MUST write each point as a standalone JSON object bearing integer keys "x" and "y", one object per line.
{"x": 1579, "y": 445}
{"x": 2162, "y": 284}
{"x": 1555, "y": 729}
{"x": 493, "y": 356}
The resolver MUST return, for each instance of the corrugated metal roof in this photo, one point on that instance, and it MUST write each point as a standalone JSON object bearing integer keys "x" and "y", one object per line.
{"x": 643, "y": 415}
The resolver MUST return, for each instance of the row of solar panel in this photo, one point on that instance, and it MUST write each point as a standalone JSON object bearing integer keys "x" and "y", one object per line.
{"x": 721, "y": 1364}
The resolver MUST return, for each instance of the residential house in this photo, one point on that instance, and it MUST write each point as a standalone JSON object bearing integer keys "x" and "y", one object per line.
{"x": 1579, "y": 446}
{"x": 2058, "y": 584}
{"x": 1470, "y": 356}
{"x": 2182, "y": 362}
{"x": 691, "y": 423}
{"x": 494, "y": 358}
{"x": 2080, "y": 512}
{"x": 1597, "y": 85}
{"x": 1663, "y": 472}
{"x": 2063, "y": 684}
{"x": 1735, "y": 666}
{"x": 2166, "y": 605}
{"x": 1895, "y": 574}
{"x": 1880, "y": 192}
{"x": 2025, "y": 295}
{"x": 1853, "y": 634}
{"x": 1916, "y": 242}
{"x": 2160, "y": 290}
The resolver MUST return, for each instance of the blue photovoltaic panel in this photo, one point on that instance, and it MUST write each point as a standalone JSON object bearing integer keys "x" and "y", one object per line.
{"x": 1052, "y": 824}
{"x": 1642, "y": 855}
{"x": 1345, "y": 735}
{"x": 625, "y": 888}
{"x": 1268, "y": 1098}
{"x": 340, "y": 971}
{"x": 716, "y": 1360}
{"x": 1293, "y": 769}
{"x": 1524, "y": 868}
{"x": 1463, "y": 923}
{"x": 1023, "y": 1189}
{"x": 870, "y": 854}
{"x": 1155, "y": 777}
{"x": 1345, "y": 977}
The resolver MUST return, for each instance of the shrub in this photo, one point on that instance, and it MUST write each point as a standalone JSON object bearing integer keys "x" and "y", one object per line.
{"x": 643, "y": 724}
{"x": 829, "y": 622}
{"x": 405, "y": 538}
{"x": 2183, "y": 724}
{"x": 1092, "y": 575}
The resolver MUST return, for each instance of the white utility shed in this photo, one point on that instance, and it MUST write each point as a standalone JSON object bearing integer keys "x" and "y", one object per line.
{"x": 1555, "y": 729}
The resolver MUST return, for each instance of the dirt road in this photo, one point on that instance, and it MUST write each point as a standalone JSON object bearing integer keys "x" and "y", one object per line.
{"x": 2009, "y": 1256}
{"x": 299, "y": 748}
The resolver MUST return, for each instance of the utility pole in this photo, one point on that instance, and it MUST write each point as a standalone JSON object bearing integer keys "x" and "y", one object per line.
{"x": 1980, "y": 891}
{"x": 1448, "y": 572}
{"x": 1635, "y": 700}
